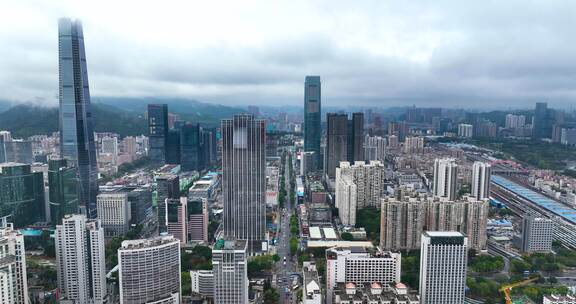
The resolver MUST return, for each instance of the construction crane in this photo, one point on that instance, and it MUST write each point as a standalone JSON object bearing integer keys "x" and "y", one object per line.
{"x": 506, "y": 289}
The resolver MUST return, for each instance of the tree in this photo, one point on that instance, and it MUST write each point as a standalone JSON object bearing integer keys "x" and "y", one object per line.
{"x": 186, "y": 283}
{"x": 276, "y": 258}
{"x": 293, "y": 245}
{"x": 271, "y": 296}
{"x": 346, "y": 236}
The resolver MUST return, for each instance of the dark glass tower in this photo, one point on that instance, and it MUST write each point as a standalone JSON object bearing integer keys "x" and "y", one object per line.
{"x": 356, "y": 138}
{"x": 542, "y": 126}
{"x": 76, "y": 128}
{"x": 173, "y": 147}
{"x": 244, "y": 180}
{"x": 157, "y": 132}
{"x": 190, "y": 147}
{"x": 312, "y": 116}
{"x": 63, "y": 192}
{"x": 21, "y": 194}
{"x": 336, "y": 142}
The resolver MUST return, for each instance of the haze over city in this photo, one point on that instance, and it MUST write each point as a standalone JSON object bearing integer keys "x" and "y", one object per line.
{"x": 485, "y": 54}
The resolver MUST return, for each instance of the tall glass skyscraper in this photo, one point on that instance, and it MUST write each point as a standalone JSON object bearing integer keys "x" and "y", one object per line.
{"x": 244, "y": 180}
{"x": 312, "y": 116}
{"x": 157, "y": 132}
{"x": 76, "y": 128}
{"x": 63, "y": 190}
{"x": 190, "y": 147}
{"x": 21, "y": 194}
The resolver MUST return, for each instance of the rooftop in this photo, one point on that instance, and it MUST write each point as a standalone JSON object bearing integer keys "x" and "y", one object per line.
{"x": 443, "y": 233}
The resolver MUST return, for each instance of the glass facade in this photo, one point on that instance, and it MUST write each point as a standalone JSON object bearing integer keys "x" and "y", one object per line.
{"x": 157, "y": 131}
{"x": 21, "y": 194}
{"x": 190, "y": 147}
{"x": 312, "y": 116}
{"x": 173, "y": 147}
{"x": 63, "y": 192}
{"x": 76, "y": 127}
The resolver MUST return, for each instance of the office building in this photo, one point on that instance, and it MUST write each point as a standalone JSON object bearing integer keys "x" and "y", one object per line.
{"x": 401, "y": 223}
{"x": 541, "y": 122}
{"x": 114, "y": 211}
{"x": 244, "y": 180}
{"x": 230, "y": 272}
{"x": 443, "y": 257}
{"x": 21, "y": 194}
{"x": 356, "y": 265}
{"x": 76, "y": 126}
{"x": 173, "y": 147}
{"x": 63, "y": 190}
{"x": 312, "y": 291}
{"x": 445, "y": 178}
{"x": 414, "y": 145}
{"x": 157, "y": 132}
{"x": 80, "y": 262}
{"x": 16, "y": 151}
{"x": 176, "y": 221}
{"x": 481, "y": 173}
{"x": 374, "y": 148}
{"x": 202, "y": 283}
{"x": 336, "y": 143}
{"x": 149, "y": 271}
{"x": 537, "y": 234}
{"x": 312, "y": 116}
{"x": 167, "y": 187}
{"x": 13, "y": 281}
{"x": 190, "y": 147}
{"x": 355, "y": 141}
{"x": 307, "y": 162}
{"x": 198, "y": 221}
{"x": 465, "y": 130}
{"x": 140, "y": 205}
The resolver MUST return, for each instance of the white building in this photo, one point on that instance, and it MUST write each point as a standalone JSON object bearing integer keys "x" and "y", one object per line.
{"x": 80, "y": 260}
{"x": 443, "y": 257}
{"x": 481, "y": 173}
{"x": 13, "y": 282}
{"x": 149, "y": 271}
{"x": 202, "y": 282}
{"x": 346, "y": 199}
{"x": 414, "y": 145}
{"x": 356, "y": 265}
{"x": 114, "y": 211}
{"x": 369, "y": 181}
{"x": 307, "y": 162}
{"x": 558, "y": 299}
{"x": 465, "y": 130}
{"x": 515, "y": 121}
{"x": 445, "y": 178}
{"x": 230, "y": 272}
{"x": 312, "y": 290}
{"x": 537, "y": 234}
{"x": 374, "y": 148}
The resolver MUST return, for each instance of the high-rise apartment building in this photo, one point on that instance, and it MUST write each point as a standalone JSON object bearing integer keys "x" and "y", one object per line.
{"x": 355, "y": 141}
{"x": 346, "y": 200}
{"x": 312, "y": 116}
{"x": 515, "y": 121}
{"x": 244, "y": 180}
{"x": 481, "y": 173}
{"x": 76, "y": 126}
{"x": 13, "y": 281}
{"x": 465, "y": 130}
{"x": 443, "y": 257}
{"x": 63, "y": 190}
{"x": 114, "y": 211}
{"x": 80, "y": 260}
{"x": 198, "y": 221}
{"x": 149, "y": 271}
{"x": 401, "y": 223}
{"x": 230, "y": 266}
{"x": 336, "y": 143}
{"x": 374, "y": 148}
{"x": 445, "y": 178}
{"x": 157, "y": 132}
{"x": 414, "y": 145}
{"x": 356, "y": 265}
{"x": 537, "y": 234}
{"x": 21, "y": 194}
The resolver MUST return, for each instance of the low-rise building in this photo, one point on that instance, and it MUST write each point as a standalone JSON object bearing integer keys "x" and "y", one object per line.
{"x": 312, "y": 290}
{"x": 374, "y": 292}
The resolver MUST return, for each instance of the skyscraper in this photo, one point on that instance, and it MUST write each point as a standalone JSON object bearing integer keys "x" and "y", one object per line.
{"x": 173, "y": 147}
{"x": 13, "y": 282}
{"x": 80, "y": 260}
{"x": 541, "y": 123}
{"x": 443, "y": 257}
{"x": 190, "y": 147}
{"x": 356, "y": 137}
{"x": 537, "y": 234}
{"x": 177, "y": 211}
{"x": 149, "y": 271}
{"x": 336, "y": 142}
{"x": 76, "y": 127}
{"x": 244, "y": 180}
{"x": 481, "y": 180}
{"x": 312, "y": 116}
{"x": 230, "y": 272}
{"x": 157, "y": 132}
{"x": 445, "y": 178}
{"x": 167, "y": 187}
{"x": 21, "y": 194}
{"x": 198, "y": 221}
{"x": 401, "y": 224}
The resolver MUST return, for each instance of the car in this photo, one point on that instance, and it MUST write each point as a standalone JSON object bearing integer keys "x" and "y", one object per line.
{"x": 284, "y": 263}
{"x": 284, "y": 258}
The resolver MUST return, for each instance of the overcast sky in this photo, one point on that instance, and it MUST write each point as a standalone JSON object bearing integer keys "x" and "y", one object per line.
{"x": 470, "y": 54}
